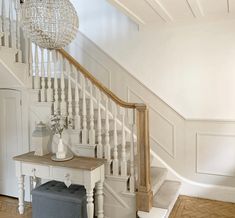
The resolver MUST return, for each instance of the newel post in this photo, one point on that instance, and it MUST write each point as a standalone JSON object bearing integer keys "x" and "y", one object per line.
{"x": 144, "y": 195}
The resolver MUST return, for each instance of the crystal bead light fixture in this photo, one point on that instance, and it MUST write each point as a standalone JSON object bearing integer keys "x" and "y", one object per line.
{"x": 51, "y": 24}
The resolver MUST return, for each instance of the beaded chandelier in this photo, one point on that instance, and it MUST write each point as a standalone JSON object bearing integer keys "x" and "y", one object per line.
{"x": 51, "y": 24}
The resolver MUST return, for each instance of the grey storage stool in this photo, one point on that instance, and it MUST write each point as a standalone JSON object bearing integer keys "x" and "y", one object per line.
{"x": 54, "y": 200}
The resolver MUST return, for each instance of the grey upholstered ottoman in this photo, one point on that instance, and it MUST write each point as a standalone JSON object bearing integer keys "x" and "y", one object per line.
{"x": 55, "y": 200}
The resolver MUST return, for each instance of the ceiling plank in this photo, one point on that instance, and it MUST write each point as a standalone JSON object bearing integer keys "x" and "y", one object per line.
{"x": 160, "y": 10}
{"x": 231, "y": 6}
{"x": 196, "y": 8}
{"x": 178, "y": 9}
{"x": 212, "y": 7}
{"x": 127, "y": 12}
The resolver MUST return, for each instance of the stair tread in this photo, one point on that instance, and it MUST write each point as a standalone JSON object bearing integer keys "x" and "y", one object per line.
{"x": 158, "y": 176}
{"x": 167, "y": 195}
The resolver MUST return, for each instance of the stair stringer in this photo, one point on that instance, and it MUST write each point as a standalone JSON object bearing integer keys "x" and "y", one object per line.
{"x": 18, "y": 71}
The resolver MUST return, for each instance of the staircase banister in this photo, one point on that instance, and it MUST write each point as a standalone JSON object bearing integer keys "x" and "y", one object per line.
{"x": 97, "y": 83}
{"x": 144, "y": 195}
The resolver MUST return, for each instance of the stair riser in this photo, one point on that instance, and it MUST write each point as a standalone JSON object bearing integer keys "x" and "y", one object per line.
{"x": 159, "y": 182}
{"x": 172, "y": 204}
{"x": 167, "y": 195}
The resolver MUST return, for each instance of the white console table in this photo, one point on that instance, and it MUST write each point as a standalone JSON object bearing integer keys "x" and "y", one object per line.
{"x": 80, "y": 170}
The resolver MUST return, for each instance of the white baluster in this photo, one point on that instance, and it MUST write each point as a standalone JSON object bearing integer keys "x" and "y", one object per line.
{"x": 19, "y": 55}
{"x": 49, "y": 84}
{"x": 99, "y": 138}
{"x": 26, "y": 49}
{"x": 43, "y": 89}
{"x": 36, "y": 77}
{"x": 132, "y": 155}
{"x": 56, "y": 93}
{"x": 10, "y": 17}
{"x": 123, "y": 154}
{"x": 107, "y": 151}
{"x": 77, "y": 109}
{"x": 5, "y": 24}
{"x": 92, "y": 129}
{"x": 30, "y": 58}
{"x": 63, "y": 105}
{"x": 115, "y": 150}
{"x": 84, "y": 112}
{"x": 12, "y": 26}
{"x": 70, "y": 106}
{"x": 1, "y": 20}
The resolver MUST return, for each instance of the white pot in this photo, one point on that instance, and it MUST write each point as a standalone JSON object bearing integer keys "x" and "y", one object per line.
{"x": 61, "y": 153}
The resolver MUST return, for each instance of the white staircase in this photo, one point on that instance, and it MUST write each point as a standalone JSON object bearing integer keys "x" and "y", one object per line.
{"x": 102, "y": 127}
{"x": 110, "y": 124}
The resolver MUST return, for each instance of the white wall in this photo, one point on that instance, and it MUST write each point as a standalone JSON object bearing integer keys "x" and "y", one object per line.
{"x": 190, "y": 66}
{"x": 200, "y": 152}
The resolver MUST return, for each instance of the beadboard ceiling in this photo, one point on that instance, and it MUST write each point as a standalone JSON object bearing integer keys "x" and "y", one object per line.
{"x": 144, "y": 12}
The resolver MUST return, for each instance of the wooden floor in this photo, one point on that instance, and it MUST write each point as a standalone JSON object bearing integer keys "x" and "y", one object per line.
{"x": 185, "y": 207}
{"x": 8, "y": 208}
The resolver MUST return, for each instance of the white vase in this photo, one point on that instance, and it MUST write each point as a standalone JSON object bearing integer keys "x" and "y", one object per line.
{"x": 61, "y": 153}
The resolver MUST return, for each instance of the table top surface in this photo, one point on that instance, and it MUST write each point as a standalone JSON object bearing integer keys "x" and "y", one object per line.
{"x": 83, "y": 163}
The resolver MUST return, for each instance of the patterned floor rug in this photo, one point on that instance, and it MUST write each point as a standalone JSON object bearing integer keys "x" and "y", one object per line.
{"x": 188, "y": 207}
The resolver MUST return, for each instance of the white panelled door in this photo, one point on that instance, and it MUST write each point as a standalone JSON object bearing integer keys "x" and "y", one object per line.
{"x": 10, "y": 139}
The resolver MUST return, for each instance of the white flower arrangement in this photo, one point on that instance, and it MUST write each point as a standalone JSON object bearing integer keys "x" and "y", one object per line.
{"x": 60, "y": 122}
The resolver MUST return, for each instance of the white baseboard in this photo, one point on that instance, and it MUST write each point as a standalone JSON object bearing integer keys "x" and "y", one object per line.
{"x": 154, "y": 213}
{"x": 196, "y": 189}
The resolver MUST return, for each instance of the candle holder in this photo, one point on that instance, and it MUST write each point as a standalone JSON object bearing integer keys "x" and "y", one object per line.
{"x": 58, "y": 124}
{"x": 41, "y": 139}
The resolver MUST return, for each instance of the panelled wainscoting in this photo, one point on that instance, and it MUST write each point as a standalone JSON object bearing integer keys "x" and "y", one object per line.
{"x": 181, "y": 144}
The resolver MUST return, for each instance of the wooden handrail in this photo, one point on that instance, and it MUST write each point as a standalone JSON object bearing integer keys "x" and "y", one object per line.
{"x": 144, "y": 195}
{"x": 97, "y": 83}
